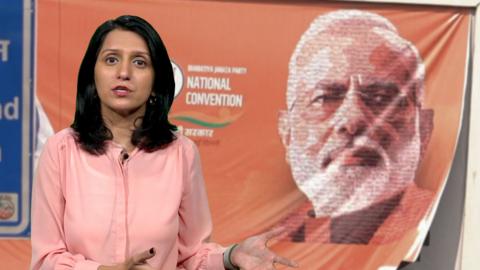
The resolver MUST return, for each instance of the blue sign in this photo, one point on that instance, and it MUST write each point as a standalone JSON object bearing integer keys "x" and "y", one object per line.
{"x": 15, "y": 117}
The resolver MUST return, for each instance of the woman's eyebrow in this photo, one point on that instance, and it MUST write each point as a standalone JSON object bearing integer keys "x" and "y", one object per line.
{"x": 136, "y": 52}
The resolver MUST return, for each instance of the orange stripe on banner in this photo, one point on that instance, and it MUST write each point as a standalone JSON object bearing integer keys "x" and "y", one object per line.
{"x": 14, "y": 254}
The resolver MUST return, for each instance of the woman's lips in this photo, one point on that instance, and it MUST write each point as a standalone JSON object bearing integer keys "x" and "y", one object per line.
{"x": 121, "y": 91}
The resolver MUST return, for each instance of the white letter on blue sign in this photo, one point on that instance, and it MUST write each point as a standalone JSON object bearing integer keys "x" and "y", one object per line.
{"x": 4, "y": 50}
{"x": 9, "y": 110}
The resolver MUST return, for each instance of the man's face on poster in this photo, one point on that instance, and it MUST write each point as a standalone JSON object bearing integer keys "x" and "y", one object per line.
{"x": 352, "y": 127}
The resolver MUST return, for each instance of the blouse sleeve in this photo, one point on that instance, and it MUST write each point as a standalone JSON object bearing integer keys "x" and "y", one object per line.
{"x": 195, "y": 227}
{"x": 49, "y": 250}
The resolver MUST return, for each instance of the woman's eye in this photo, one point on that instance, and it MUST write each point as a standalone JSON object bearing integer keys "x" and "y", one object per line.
{"x": 111, "y": 60}
{"x": 140, "y": 62}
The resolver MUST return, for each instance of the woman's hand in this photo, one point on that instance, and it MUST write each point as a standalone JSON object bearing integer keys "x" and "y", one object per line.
{"x": 137, "y": 260}
{"x": 253, "y": 253}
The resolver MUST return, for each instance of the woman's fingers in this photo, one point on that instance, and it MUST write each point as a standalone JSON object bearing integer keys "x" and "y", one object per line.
{"x": 140, "y": 258}
{"x": 142, "y": 267}
{"x": 254, "y": 254}
{"x": 284, "y": 261}
{"x": 272, "y": 233}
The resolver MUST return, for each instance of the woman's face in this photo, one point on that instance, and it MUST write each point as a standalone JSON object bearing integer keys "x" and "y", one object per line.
{"x": 123, "y": 74}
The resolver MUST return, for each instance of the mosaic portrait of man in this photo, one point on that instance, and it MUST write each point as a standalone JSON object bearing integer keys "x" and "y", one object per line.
{"x": 355, "y": 130}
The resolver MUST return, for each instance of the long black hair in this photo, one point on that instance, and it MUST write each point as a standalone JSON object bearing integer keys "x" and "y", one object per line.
{"x": 155, "y": 131}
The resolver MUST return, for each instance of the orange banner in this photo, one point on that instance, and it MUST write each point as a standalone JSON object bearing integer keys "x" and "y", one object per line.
{"x": 337, "y": 121}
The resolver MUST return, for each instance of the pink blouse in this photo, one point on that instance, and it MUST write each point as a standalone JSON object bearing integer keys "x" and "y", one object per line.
{"x": 90, "y": 210}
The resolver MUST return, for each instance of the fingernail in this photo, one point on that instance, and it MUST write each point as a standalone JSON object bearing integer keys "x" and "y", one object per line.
{"x": 152, "y": 251}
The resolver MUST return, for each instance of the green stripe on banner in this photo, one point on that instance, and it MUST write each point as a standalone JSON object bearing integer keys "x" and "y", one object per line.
{"x": 201, "y": 122}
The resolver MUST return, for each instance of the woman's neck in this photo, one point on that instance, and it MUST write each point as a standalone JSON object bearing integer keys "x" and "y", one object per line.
{"x": 122, "y": 129}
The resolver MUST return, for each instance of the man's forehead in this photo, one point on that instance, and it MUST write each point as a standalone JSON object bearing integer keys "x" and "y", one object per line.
{"x": 355, "y": 43}
{"x": 350, "y": 42}
{"x": 355, "y": 51}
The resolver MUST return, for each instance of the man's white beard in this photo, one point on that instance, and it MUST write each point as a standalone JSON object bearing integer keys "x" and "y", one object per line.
{"x": 339, "y": 190}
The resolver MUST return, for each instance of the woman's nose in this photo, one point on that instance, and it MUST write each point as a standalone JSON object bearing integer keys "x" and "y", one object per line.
{"x": 123, "y": 72}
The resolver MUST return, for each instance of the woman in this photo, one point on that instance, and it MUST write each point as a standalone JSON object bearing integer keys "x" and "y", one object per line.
{"x": 120, "y": 187}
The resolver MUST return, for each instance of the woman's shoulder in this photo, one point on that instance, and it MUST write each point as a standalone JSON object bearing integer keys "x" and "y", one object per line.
{"x": 62, "y": 137}
{"x": 182, "y": 139}
{"x": 183, "y": 143}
